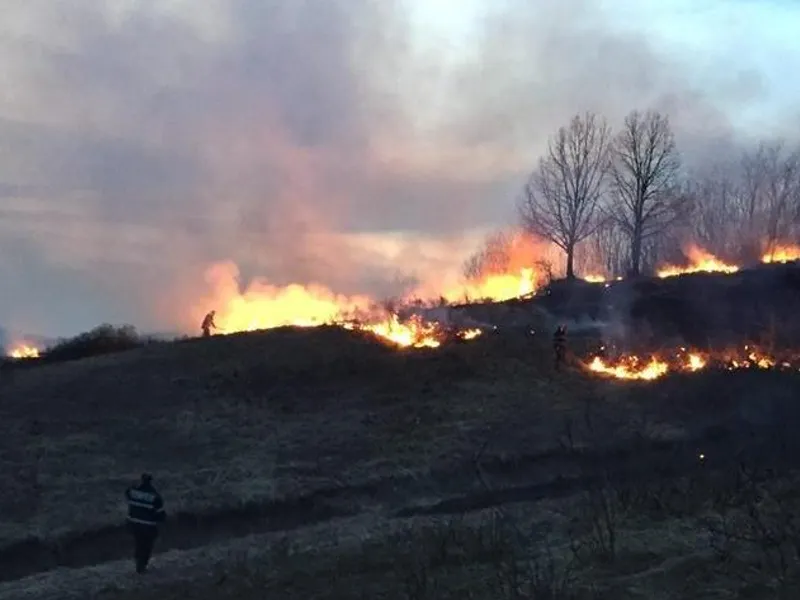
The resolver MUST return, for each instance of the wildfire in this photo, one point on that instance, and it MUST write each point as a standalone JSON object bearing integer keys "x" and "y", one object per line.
{"x": 700, "y": 261}
{"x": 24, "y": 351}
{"x": 509, "y": 266}
{"x": 265, "y": 306}
{"x": 686, "y": 361}
{"x": 782, "y": 254}
{"x": 496, "y": 287}
{"x": 413, "y": 333}
{"x": 630, "y": 367}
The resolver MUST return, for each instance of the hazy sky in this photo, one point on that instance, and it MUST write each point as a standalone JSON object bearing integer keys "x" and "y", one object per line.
{"x": 347, "y": 142}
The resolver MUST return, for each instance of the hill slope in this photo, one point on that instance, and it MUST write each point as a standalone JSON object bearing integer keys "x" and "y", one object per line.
{"x": 328, "y": 434}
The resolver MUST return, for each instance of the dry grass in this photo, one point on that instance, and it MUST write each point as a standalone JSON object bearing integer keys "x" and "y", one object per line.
{"x": 240, "y": 420}
{"x": 522, "y": 553}
{"x": 480, "y": 555}
{"x": 235, "y": 423}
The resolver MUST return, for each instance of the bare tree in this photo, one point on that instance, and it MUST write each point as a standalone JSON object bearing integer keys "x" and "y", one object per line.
{"x": 644, "y": 179}
{"x": 770, "y": 199}
{"x": 608, "y": 245}
{"x": 715, "y": 223}
{"x": 561, "y": 198}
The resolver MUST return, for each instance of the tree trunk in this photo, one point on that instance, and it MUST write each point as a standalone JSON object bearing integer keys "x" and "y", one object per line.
{"x": 570, "y": 261}
{"x": 636, "y": 252}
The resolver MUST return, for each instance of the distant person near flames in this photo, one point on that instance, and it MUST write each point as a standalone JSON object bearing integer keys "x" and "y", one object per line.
{"x": 560, "y": 346}
{"x": 208, "y": 323}
{"x": 145, "y": 512}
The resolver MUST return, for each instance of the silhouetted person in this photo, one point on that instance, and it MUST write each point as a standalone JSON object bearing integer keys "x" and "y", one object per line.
{"x": 145, "y": 512}
{"x": 560, "y": 346}
{"x": 208, "y": 323}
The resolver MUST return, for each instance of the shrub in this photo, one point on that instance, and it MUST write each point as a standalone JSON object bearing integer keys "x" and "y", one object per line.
{"x": 104, "y": 339}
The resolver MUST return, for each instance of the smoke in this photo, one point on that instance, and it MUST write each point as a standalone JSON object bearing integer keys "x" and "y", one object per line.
{"x": 324, "y": 141}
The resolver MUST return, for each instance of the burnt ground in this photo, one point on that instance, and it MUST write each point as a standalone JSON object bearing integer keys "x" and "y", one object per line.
{"x": 276, "y": 431}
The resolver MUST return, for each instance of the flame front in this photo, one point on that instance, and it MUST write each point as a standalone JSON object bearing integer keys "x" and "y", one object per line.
{"x": 414, "y": 333}
{"x": 688, "y": 361}
{"x": 24, "y": 351}
{"x": 265, "y": 306}
{"x": 782, "y": 254}
{"x": 496, "y": 287}
{"x": 630, "y": 367}
{"x": 700, "y": 261}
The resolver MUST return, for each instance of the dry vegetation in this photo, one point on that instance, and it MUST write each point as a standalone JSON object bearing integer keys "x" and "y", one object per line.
{"x": 319, "y": 464}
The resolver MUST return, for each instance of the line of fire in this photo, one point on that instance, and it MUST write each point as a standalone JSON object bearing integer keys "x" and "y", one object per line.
{"x": 602, "y": 342}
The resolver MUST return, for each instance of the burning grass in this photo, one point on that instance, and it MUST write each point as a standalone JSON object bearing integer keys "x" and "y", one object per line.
{"x": 263, "y": 306}
{"x": 683, "y": 360}
{"x": 700, "y": 261}
{"x": 781, "y": 254}
{"x": 23, "y": 350}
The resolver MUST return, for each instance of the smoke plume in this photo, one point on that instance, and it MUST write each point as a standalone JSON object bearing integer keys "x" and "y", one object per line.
{"x": 329, "y": 141}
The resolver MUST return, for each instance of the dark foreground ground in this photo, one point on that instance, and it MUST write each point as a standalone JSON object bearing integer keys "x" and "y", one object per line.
{"x": 322, "y": 464}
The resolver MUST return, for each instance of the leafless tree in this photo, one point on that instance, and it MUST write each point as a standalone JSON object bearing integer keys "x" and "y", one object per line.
{"x": 645, "y": 167}
{"x": 770, "y": 198}
{"x": 716, "y": 222}
{"x": 561, "y": 198}
{"x": 607, "y": 244}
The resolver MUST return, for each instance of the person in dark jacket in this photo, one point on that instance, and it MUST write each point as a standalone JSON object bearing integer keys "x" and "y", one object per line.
{"x": 560, "y": 346}
{"x": 145, "y": 512}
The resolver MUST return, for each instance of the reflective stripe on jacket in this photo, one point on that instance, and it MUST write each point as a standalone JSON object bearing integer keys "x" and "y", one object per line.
{"x": 145, "y": 506}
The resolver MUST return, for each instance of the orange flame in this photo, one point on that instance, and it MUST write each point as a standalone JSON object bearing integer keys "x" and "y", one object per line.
{"x": 630, "y": 367}
{"x": 414, "y": 333}
{"x": 265, "y": 306}
{"x": 469, "y": 334}
{"x": 782, "y": 254}
{"x": 24, "y": 350}
{"x": 688, "y": 361}
{"x": 700, "y": 261}
{"x": 508, "y": 266}
{"x": 495, "y": 287}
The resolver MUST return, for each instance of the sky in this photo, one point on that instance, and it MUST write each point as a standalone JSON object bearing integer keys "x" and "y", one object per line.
{"x": 351, "y": 143}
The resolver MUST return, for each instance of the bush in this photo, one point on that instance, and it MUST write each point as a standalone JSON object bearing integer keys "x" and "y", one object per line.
{"x": 104, "y": 339}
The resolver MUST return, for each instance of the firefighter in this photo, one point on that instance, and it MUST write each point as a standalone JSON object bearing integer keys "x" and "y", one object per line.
{"x": 560, "y": 346}
{"x": 145, "y": 512}
{"x": 208, "y": 323}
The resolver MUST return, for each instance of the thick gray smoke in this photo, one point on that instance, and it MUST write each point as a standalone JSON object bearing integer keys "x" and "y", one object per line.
{"x": 317, "y": 140}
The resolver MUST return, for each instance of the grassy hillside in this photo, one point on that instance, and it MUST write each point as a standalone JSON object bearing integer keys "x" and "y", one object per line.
{"x": 293, "y": 458}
